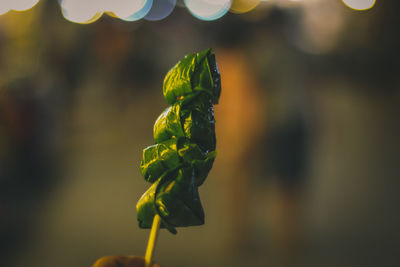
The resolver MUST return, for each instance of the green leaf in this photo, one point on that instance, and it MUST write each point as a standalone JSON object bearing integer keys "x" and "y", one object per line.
{"x": 199, "y": 127}
{"x": 174, "y": 196}
{"x": 194, "y": 157}
{"x": 194, "y": 73}
{"x": 159, "y": 158}
{"x": 203, "y": 167}
{"x": 178, "y": 200}
{"x": 168, "y": 124}
{"x": 173, "y": 154}
{"x": 146, "y": 208}
{"x": 194, "y": 120}
{"x": 177, "y": 82}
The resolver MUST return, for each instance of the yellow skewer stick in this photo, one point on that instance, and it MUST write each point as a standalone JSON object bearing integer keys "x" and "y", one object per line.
{"x": 152, "y": 240}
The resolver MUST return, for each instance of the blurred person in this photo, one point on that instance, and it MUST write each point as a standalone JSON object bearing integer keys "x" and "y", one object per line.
{"x": 264, "y": 139}
{"x": 263, "y": 129}
{"x": 286, "y": 162}
{"x": 240, "y": 120}
{"x": 27, "y": 162}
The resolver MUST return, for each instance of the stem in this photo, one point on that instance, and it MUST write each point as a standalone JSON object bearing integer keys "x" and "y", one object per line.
{"x": 152, "y": 240}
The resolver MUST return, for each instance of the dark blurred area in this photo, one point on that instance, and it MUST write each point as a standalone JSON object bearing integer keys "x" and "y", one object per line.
{"x": 308, "y": 128}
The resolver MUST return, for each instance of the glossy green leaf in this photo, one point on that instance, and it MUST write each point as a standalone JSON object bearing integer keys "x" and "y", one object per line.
{"x": 159, "y": 158}
{"x": 146, "y": 206}
{"x": 195, "y": 73}
{"x": 174, "y": 196}
{"x": 193, "y": 156}
{"x": 178, "y": 200}
{"x": 172, "y": 154}
{"x": 193, "y": 120}
{"x": 199, "y": 128}
{"x": 168, "y": 124}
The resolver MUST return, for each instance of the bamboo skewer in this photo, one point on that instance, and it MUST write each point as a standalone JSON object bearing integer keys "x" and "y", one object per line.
{"x": 152, "y": 240}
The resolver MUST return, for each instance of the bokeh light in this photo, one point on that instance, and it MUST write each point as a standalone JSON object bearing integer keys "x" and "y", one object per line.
{"x": 111, "y": 14}
{"x": 243, "y": 6}
{"x": 91, "y": 10}
{"x": 359, "y": 4}
{"x": 129, "y": 10}
{"x": 160, "y": 9}
{"x": 4, "y": 8}
{"x": 208, "y": 9}
{"x": 320, "y": 27}
{"x": 17, "y": 5}
{"x": 22, "y": 5}
{"x": 82, "y": 12}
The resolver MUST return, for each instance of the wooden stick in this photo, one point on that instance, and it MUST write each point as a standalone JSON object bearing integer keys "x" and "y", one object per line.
{"x": 152, "y": 240}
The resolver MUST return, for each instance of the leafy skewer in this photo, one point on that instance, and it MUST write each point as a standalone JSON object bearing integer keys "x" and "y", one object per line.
{"x": 185, "y": 147}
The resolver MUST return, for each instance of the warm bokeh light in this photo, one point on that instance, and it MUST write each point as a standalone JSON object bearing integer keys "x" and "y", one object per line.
{"x": 129, "y": 10}
{"x": 17, "y": 5}
{"x": 243, "y": 6}
{"x": 80, "y": 12}
{"x": 4, "y": 8}
{"x": 111, "y": 14}
{"x": 160, "y": 9}
{"x": 91, "y": 10}
{"x": 320, "y": 27}
{"x": 359, "y": 4}
{"x": 208, "y": 9}
{"x": 22, "y": 5}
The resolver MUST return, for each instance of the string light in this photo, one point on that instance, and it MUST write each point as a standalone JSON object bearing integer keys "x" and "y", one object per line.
{"x": 243, "y": 6}
{"x": 208, "y": 9}
{"x": 132, "y": 10}
{"x": 88, "y": 11}
{"x": 22, "y": 5}
{"x": 82, "y": 12}
{"x": 4, "y": 8}
{"x": 160, "y": 9}
{"x": 17, "y": 5}
{"x": 359, "y": 4}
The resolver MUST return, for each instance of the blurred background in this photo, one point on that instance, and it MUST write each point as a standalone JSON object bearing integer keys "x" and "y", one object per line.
{"x": 308, "y": 128}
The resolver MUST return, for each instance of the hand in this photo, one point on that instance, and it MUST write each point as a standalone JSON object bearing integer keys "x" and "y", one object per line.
{"x": 121, "y": 261}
